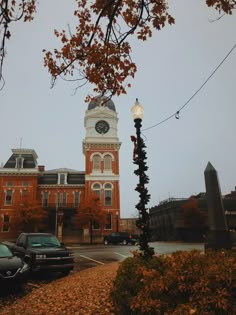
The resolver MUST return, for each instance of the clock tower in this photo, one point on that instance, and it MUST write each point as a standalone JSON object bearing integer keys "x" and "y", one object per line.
{"x": 101, "y": 149}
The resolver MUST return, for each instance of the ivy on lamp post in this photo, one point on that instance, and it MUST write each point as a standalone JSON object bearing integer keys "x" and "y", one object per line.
{"x": 139, "y": 159}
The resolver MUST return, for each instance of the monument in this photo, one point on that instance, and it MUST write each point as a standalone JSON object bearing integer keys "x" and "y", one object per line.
{"x": 218, "y": 235}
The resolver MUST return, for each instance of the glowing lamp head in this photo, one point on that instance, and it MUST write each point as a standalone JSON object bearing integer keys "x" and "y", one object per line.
{"x": 137, "y": 110}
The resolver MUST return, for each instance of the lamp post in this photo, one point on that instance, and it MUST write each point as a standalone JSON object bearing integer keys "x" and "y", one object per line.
{"x": 60, "y": 224}
{"x": 139, "y": 158}
{"x": 56, "y": 211}
{"x": 117, "y": 221}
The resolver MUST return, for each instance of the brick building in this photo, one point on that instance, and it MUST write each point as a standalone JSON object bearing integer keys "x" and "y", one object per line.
{"x": 60, "y": 191}
{"x": 167, "y": 221}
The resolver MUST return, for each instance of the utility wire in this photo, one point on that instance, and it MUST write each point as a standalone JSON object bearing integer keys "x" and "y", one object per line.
{"x": 176, "y": 114}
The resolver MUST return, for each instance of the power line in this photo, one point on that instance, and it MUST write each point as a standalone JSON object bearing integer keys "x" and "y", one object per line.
{"x": 176, "y": 114}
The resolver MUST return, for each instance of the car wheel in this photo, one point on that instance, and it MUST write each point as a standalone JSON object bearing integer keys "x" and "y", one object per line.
{"x": 124, "y": 242}
{"x": 106, "y": 242}
{"x": 65, "y": 272}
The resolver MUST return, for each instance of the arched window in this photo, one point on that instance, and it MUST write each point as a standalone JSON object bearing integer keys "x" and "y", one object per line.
{"x": 97, "y": 189}
{"x": 107, "y": 162}
{"x": 107, "y": 195}
{"x": 96, "y": 163}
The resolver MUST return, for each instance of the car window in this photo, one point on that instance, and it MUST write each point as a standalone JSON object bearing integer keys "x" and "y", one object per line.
{"x": 5, "y": 251}
{"x": 43, "y": 241}
{"x": 21, "y": 239}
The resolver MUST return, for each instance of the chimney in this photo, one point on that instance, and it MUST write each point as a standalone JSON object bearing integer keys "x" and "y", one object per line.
{"x": 41, "y": 168}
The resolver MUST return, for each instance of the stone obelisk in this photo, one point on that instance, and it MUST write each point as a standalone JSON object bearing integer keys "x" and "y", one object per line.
{"x": 218, "y": 235}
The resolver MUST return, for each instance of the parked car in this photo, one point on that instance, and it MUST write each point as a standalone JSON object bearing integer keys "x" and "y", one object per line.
{"x": 120, "y": 237}
{"x": 44, "y": 251}
{"x": 14, "y": 271}
{"x": 233, "y": 237}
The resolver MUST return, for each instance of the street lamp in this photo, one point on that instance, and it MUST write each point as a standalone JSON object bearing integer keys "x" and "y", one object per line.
{"x": 56, "y": 211}
{"x": 60, "y": 224}
{"x": 139, "y": 158}
{"x": 117, "y": 221}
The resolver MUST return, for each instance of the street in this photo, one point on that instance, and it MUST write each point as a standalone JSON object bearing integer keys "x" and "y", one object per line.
{"x": 87, "y": 256}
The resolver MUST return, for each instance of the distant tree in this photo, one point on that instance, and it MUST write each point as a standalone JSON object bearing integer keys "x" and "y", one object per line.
{"x": 195, "y": 221}
{"x": 99, "y": 49}
{"x": 90, "y": 214}
{"x": 193, "y": 216}
{"x": 29, "y": 217}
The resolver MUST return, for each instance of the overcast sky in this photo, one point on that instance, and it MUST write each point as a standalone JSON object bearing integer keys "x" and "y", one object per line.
{"x": 171, "y": 68}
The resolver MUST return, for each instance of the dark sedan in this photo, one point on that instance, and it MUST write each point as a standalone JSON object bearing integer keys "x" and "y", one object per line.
{"x": 13, "y": 270}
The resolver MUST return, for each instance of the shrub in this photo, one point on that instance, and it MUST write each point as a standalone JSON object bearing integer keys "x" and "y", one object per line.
{"x": 180, "y": 284}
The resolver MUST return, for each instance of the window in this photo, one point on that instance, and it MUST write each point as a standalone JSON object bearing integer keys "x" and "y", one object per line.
{"x": 64, "y": 199}
{"x": 96, "y": 163}
{"x": 6, "y": 221}
{"x": 24, "y": 192}
{"x": 19, "y": 162}
{"x": 96, "y": 225}
{"x": 25, "y": 184}
{"x": 97, "y": 190}
{"x": 21, "y": 240}
{"x": 107, "y": 162}
{"x": 8, "y": 197}
{"x": 62, "y": 179}
{"x": 76, "y": 198}
{"x": 58, "y": 199}
{"x": 45, "y": 199}
{"x": 108, "y": 195}
{"x": 108, "y": 225}
{"x": 6, "y": 218}
{"x": 9, "y": 184}
{"x": 5, "y": 228}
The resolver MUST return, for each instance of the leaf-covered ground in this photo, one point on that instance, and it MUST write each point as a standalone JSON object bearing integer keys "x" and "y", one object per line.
{"x": 81, "y": 293}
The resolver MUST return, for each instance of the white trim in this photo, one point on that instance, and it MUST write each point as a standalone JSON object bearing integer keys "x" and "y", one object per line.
{"x": 47, "y": 186}
{"x": 22, "y": 171}
{"x": 102, "y": 177}
{"x": 96, "y": 153}
{"x": 110, "y": 154}
{"x": 25, "y": 151}
{"x": 96, "y": 183}
{"x": 112, "y": 186}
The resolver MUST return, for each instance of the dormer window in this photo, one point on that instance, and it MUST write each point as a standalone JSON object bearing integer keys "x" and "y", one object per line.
{"x": 19, "y": 162}
{"x": 62, "y": 179}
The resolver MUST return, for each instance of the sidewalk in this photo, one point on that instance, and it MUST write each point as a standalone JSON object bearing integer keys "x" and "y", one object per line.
{"x": 82, "y": 293}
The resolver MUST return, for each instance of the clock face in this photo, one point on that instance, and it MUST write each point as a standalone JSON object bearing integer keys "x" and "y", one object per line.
{"x": 102, "y": 126}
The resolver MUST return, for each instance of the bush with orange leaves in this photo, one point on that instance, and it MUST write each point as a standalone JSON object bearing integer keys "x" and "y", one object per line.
{"x": 181, "y": 284}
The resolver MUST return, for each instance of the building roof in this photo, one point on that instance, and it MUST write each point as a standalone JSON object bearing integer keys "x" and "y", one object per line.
{"x": 50, "y": 177}
{"x": 63, "y": 170}
{"x": 29, "y": 158}
{"x": 101, "y": 101}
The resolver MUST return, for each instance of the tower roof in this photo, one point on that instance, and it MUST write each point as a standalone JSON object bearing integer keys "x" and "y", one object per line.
{"x": 101, "y": 101}
{"x": 29, "y": 158}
